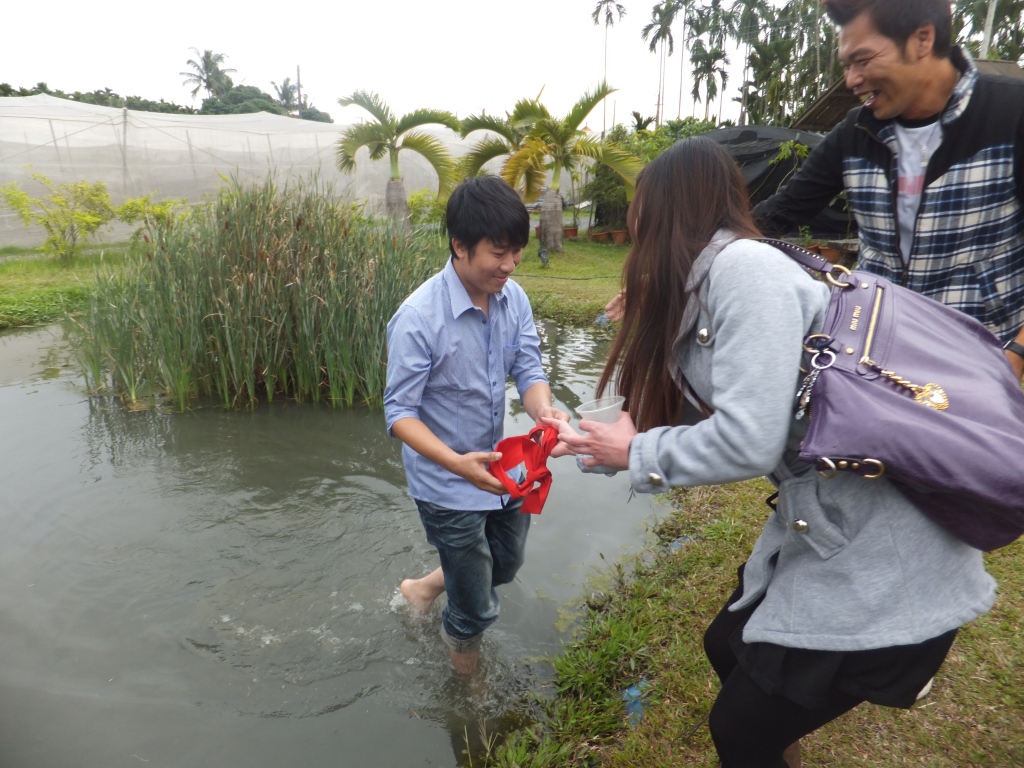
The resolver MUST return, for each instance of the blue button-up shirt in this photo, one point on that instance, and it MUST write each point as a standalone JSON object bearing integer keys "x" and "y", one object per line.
{"x": 447, "y": 366}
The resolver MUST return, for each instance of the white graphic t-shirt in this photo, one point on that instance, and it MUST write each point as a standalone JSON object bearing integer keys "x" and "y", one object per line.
{"x": 916, "y": 143}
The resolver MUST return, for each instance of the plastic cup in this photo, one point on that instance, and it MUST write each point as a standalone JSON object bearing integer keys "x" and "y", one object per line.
{"x": 605, "y": 409}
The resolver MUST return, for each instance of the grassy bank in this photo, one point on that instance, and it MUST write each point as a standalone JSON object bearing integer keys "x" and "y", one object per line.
{"x": 571, "y": 289}
{"x": 37, "y": 290}
{"x": 648, "y": 627}
{"x": 575, "y": 285}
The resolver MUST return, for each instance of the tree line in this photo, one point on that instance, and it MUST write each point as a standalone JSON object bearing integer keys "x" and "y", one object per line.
{"x": 206, "y": 73}
{"x": 788, "y": 49}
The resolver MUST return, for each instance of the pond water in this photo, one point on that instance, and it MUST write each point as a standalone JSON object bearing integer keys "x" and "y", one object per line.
{"x": 220, "y": 588}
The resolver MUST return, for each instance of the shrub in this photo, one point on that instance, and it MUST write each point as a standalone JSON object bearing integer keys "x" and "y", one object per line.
{"x": 607, "y": 191}
{"x": 151, "y": 216}
{"x": 70, "y": 213}
{"x": 264, "y": 292}
{"x": 427, "y": 209}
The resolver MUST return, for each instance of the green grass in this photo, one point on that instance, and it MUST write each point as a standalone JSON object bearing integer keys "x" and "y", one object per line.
{"x": 36, "y": 290}
{"x": 650, "y": 624}
{"x": 572, "y": 289}
{"x": 576, "y": 284}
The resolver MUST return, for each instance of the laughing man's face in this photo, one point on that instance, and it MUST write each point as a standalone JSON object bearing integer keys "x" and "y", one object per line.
{"x": 884, "y": 77}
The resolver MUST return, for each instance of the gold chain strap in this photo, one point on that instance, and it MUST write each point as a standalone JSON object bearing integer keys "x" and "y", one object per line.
{"x": 931, "y": 395}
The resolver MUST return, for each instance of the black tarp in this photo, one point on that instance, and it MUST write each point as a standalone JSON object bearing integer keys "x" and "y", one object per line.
{"x": 754, "y": 147}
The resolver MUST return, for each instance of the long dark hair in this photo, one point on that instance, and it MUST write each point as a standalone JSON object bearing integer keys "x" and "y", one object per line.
{"x": 682, "y": 198}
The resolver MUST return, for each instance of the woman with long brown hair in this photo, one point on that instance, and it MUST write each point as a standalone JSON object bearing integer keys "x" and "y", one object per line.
{"x": 850, "y": 594}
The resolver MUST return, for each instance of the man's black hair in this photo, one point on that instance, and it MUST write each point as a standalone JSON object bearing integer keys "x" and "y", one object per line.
{"x": 899, "y": 19}
{"x": 486, "y": 206}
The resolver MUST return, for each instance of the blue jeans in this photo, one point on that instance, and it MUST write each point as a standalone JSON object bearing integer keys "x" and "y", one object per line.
{"x": 479, "y": 551}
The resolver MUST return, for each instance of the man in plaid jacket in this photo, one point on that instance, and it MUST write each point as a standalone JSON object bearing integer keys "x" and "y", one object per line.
{"x": 932, "y": 164}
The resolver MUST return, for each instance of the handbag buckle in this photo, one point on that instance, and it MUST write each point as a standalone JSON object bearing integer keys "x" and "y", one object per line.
{"x": 869, "y": 469}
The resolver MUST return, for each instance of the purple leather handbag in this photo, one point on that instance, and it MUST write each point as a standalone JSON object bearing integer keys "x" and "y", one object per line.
{"x": 903, "y": 386}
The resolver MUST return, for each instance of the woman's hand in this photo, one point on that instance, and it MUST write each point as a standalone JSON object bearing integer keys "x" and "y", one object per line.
{"x": 560, "y": 449}
{"x": 604, "y": 444}
{"x": 616, "y": 308}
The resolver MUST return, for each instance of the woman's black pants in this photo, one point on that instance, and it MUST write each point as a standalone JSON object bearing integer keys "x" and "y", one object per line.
{"x": 750, "y": 728}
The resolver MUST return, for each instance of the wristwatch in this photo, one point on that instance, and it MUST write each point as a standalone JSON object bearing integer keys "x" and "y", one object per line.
{"x": 1017, "y": 349}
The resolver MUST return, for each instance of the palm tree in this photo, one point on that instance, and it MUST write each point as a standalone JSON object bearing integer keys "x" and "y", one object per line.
{"x": 770, "y": 63}
{"x": 684, "y": 10}
{"x": 749, "y": 15}
{"x": 708, "y": 62}
{"x": 286, "y": 94}
{"x": 511, "y": 134}
{"x": 561, "y": 144}
{"x": 970, "y": 16}
{"x": 641, "y": 123}
{"x": 207, "y": 73}
{"x": 657, "y": 33}
{"x": 608, "y": 7}
{"x": 387, "y": 135}
{"x": 723, "y": 75}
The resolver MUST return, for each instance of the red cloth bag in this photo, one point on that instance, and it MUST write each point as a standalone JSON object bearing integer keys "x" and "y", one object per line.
{"x": 531, "y": 449}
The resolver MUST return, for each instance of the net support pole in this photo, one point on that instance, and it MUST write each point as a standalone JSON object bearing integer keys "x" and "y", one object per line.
{"x": 124, "y": 152}
{"x": 192, "y": 158}
{"x": 56, "y": 146}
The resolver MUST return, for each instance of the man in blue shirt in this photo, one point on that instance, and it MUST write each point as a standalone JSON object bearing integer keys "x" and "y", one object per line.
{"x": 451, "y": 346}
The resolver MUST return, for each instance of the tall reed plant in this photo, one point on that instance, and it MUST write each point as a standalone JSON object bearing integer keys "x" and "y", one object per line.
{"x": 267, "y": 291}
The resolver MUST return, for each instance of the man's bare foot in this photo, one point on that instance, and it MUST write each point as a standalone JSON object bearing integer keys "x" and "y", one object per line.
{"x": 421, "y": 593}
{"x": 465, "y": 663}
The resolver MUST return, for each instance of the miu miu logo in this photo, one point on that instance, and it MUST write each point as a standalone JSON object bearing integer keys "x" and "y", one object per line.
{"x": 856, "y": 318}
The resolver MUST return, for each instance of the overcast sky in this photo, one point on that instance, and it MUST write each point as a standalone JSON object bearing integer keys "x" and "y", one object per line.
{"x": 462, "y": 55}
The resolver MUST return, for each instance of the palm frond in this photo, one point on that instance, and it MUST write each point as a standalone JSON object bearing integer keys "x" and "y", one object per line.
{"x": 434, "y": 152}
{"x": 373, "y": 136}
{"x": 527, "y": 112}
{"x": 526, "y": 160}
{"x": 623, "y": 162}
{"x": 421, "y": 117}
{"x": 607, "y": 6}
{"x": 532, "y": 183}
{"x": 373, "y": 104}
{"x": 551, "y": 130}
{"x": 487, "y": 123}
{"x": 586, "y": 105}
{"x": 483, "y": 152}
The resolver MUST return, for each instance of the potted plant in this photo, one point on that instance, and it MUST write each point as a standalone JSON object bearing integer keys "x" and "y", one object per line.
{"x": 808, "y": 241}
{"x": 607, "y": 195}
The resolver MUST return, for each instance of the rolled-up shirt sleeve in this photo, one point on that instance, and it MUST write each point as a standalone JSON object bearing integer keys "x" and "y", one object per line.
{"x": 527, "y": 368}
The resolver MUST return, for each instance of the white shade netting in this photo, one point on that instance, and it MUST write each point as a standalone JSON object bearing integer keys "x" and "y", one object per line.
{"x": 181, "y": 156}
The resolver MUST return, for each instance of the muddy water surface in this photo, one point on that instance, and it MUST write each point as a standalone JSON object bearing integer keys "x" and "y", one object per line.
{"x": 220, "y": 589}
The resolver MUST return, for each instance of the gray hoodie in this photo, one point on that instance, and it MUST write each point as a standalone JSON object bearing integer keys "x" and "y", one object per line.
{"x": 863, "y": 568}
